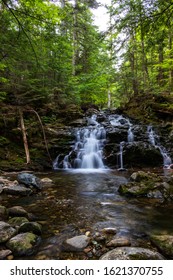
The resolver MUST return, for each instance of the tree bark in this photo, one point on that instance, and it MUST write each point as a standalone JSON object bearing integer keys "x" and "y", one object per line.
{"x": 74, "y": 58}
{"x": 25, "y": 142}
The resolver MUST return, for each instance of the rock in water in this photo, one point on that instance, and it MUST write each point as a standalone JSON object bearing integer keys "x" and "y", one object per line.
{"x": 29, "y": 180}
{"x": 132, "y": 253}
{"x": 23, "y": 244}
{"x": 77, "y": 243}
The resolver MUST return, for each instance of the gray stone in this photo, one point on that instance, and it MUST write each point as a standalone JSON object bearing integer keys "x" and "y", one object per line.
{"x": 4, "y": 254}
{"x": 132, "y": 253}
{"x": 17, "y": 190}
{"x": 77, "y": 243}
{"x": 29, "y": 180}
{"x": 6, "y": 232}
{"x": 17, "y": 211}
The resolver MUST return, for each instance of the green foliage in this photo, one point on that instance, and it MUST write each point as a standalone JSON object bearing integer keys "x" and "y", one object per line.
{"x": 3, "y": 141}
{"x": 144, "y": 39}
{"x": 39, "y": 40}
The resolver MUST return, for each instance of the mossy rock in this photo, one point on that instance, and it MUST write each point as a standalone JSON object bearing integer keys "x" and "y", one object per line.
{"x": 141, "y": 183}
{"x": 141, "y": 176}
{"x": 135, "y": 189}
{"x": 23, "y": 244}
{"x": 132, "y": 253}
{"x": 3, "y": 213}
{"x": 164, "y": 243}
{"x": 33, "y": 227}
{"x": 17, "y": 221}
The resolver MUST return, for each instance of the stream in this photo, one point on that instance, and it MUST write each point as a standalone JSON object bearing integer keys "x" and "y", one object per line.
{"x": 84, "y": 194}
{"x": 81, "y": 201}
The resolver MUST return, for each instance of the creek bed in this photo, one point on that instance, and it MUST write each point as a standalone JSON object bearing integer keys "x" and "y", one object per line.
{"x": 78, "y": 202}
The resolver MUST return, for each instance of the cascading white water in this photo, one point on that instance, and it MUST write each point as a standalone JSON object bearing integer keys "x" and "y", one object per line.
{"x": 154, "y": 140}
{"x": 120, "y": 157}
{"x": 130, "y": 135}
{"x": 120, "y": 121}
{"x": 88, "y": 148}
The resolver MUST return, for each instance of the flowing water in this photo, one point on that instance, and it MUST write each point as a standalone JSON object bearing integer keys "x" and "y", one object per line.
{"x": 77, "y": 202}
{"x": 154, "y": 140}
{"x": 84, "y": 196}
{"x": 87, "y": 150}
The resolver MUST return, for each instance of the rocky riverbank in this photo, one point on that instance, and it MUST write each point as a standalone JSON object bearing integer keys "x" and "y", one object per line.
{"x": 21, "y": 233}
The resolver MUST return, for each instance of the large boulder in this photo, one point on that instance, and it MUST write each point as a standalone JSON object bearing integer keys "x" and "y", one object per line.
{"x": 17, "y": 190}
{"x": 132, "y": 253}
{"x": 141, "y": 154}
{"x": 147, "y": 184}
{"x": 29, "y": 180}
{"x": 17, "y": 211}
{"x": 23, "y": 244}
{"x": 164, "y": 243}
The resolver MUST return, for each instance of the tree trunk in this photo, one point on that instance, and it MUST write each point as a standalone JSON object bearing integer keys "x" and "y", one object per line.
{"x": 160, "y": 76}
{"x": 74, "y": 58}
{"x": 25, "y": 142}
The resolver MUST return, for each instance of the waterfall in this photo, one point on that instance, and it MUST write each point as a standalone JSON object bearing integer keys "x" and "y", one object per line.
{"x": 130, "y": 136}
{"x": 88, "y": 148}
{"x": 120, "y": 157}
{"x": 154, "y": 140}
{"x": 120, "y": 121}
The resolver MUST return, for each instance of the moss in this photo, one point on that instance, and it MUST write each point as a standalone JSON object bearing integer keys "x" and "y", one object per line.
{"x": 4, "y": 141}
{"x": 23, "y": 244}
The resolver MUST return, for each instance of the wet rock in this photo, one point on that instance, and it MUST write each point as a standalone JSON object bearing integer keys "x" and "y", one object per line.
{"x": 141, "y": 183}
{"x": 109, "y": 230}
{"x": 132, "y": 253}
{"x": 23, "y": 244}
{"x": 141, "y": 154}
{"x": 164, "y": 243}
{"x": 118, "y": 242}
{"x": 17, "y": 190}
{"x": 77, "y": 243}
{"x": 17, "y": 221}
{"x": 117, "y": 135}
{"x": 6, "y": 232}
{"x": 144, "y": 176}
{"x": 3, "y": 213}
{"x": 17, "y": 211}
{"x": 33, "y": 227}
{"x": 4, "y": 254}
{"x": 135, "y": 190}
{"x": 13, "y": 187}
{"x": 29, "y": 180}
{"x": 147, "y": 184}
{"x": 46, "y": 181}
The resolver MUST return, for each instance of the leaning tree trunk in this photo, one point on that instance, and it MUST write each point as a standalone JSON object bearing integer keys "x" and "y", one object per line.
{"x": 25, "y": 142}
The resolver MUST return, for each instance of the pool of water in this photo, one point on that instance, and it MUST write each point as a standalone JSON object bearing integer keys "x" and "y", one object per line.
{"x": 77, "y": 202}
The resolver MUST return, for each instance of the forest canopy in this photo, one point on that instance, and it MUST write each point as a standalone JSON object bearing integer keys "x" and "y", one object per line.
{"x": 52, "y": 52}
